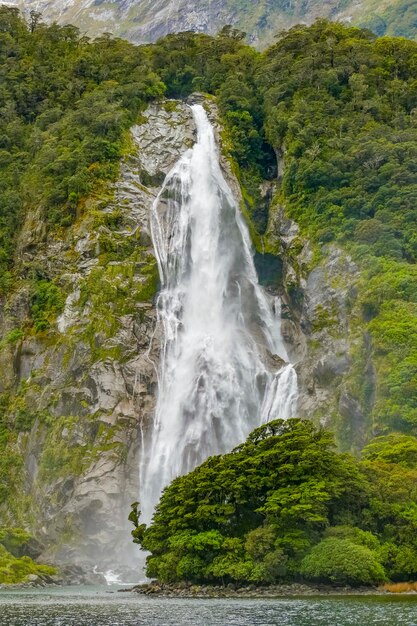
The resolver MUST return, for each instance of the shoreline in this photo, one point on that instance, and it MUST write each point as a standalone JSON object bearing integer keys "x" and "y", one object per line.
{"x": 186, "y": 590}
{"x": 230, "y": 591}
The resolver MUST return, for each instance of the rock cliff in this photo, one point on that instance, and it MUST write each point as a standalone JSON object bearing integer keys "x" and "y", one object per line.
{"x": 322, "y": 326}
{"x": 83, "y": 388}
{"x": 86, "y": 385}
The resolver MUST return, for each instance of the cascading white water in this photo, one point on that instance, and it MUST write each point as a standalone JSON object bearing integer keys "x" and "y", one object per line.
{"x": 222, "y": 372}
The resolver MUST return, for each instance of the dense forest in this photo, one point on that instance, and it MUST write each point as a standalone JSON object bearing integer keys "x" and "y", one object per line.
{"x": 285, "y": 506}
{"x": 332, "y": 111}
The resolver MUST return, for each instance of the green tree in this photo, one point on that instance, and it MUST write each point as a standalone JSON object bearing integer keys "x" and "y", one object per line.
{"x": 340, "y": 561}
{"x": 252, "y": 514}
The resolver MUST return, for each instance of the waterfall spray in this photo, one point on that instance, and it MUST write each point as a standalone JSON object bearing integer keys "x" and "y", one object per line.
{"x": 224, "y": 368}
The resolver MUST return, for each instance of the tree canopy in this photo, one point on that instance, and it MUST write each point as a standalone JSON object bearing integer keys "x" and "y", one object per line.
{"x": 284, "y": 506}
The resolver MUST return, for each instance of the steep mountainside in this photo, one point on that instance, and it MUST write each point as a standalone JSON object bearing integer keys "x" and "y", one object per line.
{"x": 89, "y": 383}
{"x": 319, "y": 140}
{"x": 145, "y": 21}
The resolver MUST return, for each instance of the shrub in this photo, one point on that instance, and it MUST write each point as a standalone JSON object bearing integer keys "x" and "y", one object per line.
{"x": 15, "y": 540}
{"x": 354, "y": 535}
{"x": 48, "y": 301}
{"x": 14, "y": 570}
{"x": 339, "y": 561}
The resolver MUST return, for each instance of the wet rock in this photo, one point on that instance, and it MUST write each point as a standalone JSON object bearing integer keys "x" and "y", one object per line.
{"x": 317, "y": 328}
{"x": 183, "y": 590}
{"x": 330, "y": 367}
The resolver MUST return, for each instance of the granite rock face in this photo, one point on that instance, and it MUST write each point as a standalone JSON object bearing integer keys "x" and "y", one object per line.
{"x": 325, "y": 336}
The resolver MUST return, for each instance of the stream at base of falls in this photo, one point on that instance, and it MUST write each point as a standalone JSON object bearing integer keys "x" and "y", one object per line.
{"x": 91, "y": 606}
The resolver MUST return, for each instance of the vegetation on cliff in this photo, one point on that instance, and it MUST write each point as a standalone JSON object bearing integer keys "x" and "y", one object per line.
{"x": 285, "y": 506}
{"x": 141, "y": 22}
{"x": 15, "y": 566}
{"x": 337, "y": 107}
{"x": 65, "y": 104}
{"x": 342, "y": 104}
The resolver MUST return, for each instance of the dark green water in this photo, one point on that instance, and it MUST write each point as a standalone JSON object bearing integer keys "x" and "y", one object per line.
{"x": 97, "y": 607}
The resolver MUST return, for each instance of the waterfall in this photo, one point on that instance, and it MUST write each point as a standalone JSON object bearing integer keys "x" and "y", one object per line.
{"x": 224, "y": 368}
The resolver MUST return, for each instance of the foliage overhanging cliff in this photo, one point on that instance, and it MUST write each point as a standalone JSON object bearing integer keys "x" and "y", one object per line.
{"x": 321, "y": 129}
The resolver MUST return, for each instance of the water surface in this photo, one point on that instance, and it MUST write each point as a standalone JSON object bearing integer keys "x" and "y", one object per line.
{"x": 97, "y": 607}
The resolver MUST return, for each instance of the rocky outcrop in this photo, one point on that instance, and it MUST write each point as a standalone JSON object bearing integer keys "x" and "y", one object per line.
{"x": 189, "y": 590}
{"x": 324, "y": 333}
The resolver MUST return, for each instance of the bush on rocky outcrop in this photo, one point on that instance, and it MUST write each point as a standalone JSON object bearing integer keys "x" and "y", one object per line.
{"x": 15, "y": 567}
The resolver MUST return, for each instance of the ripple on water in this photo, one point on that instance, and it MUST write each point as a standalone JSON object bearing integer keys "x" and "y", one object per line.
{"x": 97, "y": 608}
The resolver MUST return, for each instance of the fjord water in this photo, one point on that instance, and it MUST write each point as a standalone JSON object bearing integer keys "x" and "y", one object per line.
{"x": 224, "y": 368}
{"x": 95, "y": 607}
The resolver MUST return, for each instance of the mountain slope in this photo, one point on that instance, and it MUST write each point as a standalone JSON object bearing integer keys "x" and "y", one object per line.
{"x": 145, "y": 21}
